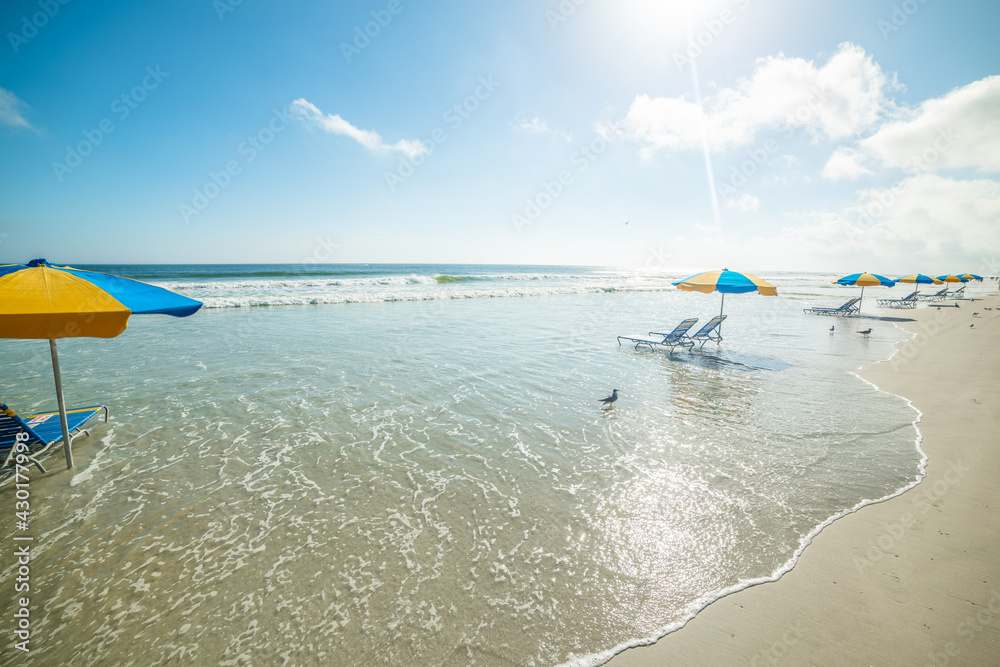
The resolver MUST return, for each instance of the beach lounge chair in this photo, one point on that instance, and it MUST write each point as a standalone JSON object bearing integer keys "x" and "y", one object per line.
{"x": 957, "y": 294}
{"x": 43, "y": 429}
{"x": 908, "y": 301}
{"x": 709, "y": 332}
{"x": 937, "y": 296}
{"x": 852, "y": 307}
{"x": 676, "y": 338}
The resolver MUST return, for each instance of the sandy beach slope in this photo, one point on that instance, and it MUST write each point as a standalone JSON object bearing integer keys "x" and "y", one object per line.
{"x": 914, "y": 580}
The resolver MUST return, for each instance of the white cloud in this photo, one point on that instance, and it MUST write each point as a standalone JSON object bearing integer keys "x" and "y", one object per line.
{"x": 522, "y": 124}
{"x": 334, "y": 124}
{"x": 959, "y": 129}
{"x": 12, "y": 110}
{"x": 926, "y": 223}
{"x": 747, "y": 202}
{"x": 536, "y": 125}
{"x": 842, "y": 98}
{"x": 844, "y": 164}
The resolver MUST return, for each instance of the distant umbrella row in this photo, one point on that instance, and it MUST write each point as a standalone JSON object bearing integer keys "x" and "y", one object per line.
{"x": 874, "y": 279}
{"x": 733, "y": 282}
{"x": 864, "y": 280}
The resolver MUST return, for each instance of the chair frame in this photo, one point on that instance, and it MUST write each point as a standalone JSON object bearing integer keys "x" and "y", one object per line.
{"x": 676, "y": 338}
{"x": 848, "y": 309}
{"x": 908, "y": 301}
{"x": 16, "y": 424}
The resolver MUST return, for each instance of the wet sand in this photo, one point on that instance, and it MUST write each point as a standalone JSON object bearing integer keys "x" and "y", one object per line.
{"x": 914, "y": 580}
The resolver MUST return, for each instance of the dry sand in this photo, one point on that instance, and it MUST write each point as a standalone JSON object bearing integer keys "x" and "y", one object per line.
{"x": 914, "y": 580}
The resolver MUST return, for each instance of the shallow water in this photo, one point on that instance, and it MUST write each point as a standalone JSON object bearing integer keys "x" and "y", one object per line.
{"x": 434, "y": 482}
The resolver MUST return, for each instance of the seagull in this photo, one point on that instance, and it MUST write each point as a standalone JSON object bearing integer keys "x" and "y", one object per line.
{"x": 866, "y": 331}
{"x": 831, "y": 329}
{"x": 610, "y": 399}
{"x": 975, "y": 314}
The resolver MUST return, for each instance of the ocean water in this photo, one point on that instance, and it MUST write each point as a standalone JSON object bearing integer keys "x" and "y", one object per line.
{"x": 408, "y": 465}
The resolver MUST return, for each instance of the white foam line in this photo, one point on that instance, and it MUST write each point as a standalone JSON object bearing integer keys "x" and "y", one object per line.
{"x": 701, "y": 603}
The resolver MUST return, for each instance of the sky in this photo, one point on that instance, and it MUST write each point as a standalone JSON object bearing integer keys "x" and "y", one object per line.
{"x": 834, "y": 135}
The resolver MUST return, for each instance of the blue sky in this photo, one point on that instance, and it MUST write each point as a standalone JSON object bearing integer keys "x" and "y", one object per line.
{"x": 840, "y": 136}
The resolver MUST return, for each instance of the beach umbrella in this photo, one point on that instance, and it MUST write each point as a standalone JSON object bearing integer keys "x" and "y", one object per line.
{"x": 864, "y": 280}
{"x": 42, "y": 301}
{"x": 919, "y": 279}
{"x": 971, "y": 276}
{"x": 952, "y": 279}
{"x": 726, "y": 282}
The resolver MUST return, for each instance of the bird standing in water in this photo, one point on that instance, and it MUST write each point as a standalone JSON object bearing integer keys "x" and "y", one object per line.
{"x": 866, "y": 331}
{"x": 610, "y": 399}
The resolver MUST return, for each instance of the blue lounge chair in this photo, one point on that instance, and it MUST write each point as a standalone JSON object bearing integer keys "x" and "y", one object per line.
{"x": 937, "y": 296}
{"x": 676, "y": 338}
{"x": 957, "y": 294}
{"x": 852, "y": 307}
{"x": 43, "y": 429}
{"x": 908, "y": 301}
{"x": 709, "y": 332}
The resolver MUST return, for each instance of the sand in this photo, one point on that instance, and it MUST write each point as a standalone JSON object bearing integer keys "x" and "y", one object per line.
{"x": 914, "y": 580}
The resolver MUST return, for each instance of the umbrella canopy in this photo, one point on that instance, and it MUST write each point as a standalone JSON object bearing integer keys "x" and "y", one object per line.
{"x": 39, "y": 300}
{"x": 726, "y": 282}
{"x": 971, "y": 276}
{"x": 864, "y": 280}
{"x": 919, "y": 279}
{"x": 952, "y": 279}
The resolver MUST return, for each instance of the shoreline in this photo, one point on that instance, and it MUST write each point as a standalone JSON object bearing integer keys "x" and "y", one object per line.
{"x": 911, "y": 579}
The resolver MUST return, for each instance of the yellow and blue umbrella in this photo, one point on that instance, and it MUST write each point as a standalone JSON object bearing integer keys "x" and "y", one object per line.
{"x": 952, "y": 279}
{"x": 726, "y": 282}
{"x": 919, "y": 279}
{"x": 39, "y": 300}
{"x": 864, "y": 280}
{"x": 971, "y": 276}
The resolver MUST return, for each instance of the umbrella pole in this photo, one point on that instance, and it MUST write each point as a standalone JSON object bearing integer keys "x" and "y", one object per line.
{"x": 862, "y": 299}
{"x": 721, "y": 308}
{"x": 67, "y": 443}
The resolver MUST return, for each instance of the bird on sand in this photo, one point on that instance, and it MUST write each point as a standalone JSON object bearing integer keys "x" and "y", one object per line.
{"x": 866, "y": 331}
{"x": 610, "y": 399}
{"x": 831, "y": 329}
